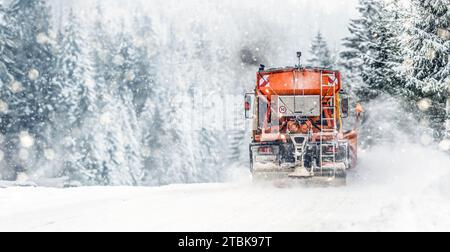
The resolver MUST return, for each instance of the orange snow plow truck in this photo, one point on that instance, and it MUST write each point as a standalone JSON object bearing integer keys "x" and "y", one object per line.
{"x": 298, "y": 132}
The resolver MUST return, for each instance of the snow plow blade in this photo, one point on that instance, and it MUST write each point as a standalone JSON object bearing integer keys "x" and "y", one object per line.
{"x": 293, "y": 178}
{"x": 284, "y": 180}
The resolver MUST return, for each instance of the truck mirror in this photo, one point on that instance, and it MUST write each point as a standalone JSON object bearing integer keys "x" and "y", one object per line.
{"x": 359, "y": 110}
{"x": 248, "y": 105}
{"x": 345, "y": 104}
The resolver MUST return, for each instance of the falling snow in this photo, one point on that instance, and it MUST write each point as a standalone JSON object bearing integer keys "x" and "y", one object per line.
{"x": 425, "y": 104}
{"x": 141, "y": 94}
{"x": 118, "y": 60}
{"x": 42, "y": 38}
{"x": 3, "y": 107}
{"x": 426, "y": 139}
{"x": 33, "y": 74}
{"x": 430, "y": 54}
{"x": 49, "y": 154}
{"x": 106, "y": 119}
{"x": 119, "y": 95}
{"x": 16, "y": 87}
{"x": 444, "y": 34}
{"x": 444, "y": 145}
{"x": 89, "y": 83}
{"x": 26, "y": 140}
{"x": 130, "y": 76}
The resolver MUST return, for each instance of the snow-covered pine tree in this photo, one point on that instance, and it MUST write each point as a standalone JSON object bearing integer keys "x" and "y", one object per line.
{"x": 155, "y": 141}
{"x": 92, "y": 142}
{"x": 101, "y": 47}
{"x": 383, "y": 56}
{"x": 8, "y": 70}
{"x": 167, "y": 130}
{"x": 76, "y": 103}
{"x": 320, "y": 53}
{"x": 168, "y": 143}
{"x": 106, "y": 133}
{"x": 33, "y": 103}
{"x": 427, "y": 51}
{"x": 447, "y": 121}
{"x": 73, "y": 74}
{"x": 36, "y": 60}
{"x": 208, "y": 142}
{"x": 7, "y": 47}
{"x": 125, "y": 69}
{"x": 144, "y": 57}
{"x": 232, "y": 143}
{"x": 356, "y": 47}
{"x": 118, "y": 144}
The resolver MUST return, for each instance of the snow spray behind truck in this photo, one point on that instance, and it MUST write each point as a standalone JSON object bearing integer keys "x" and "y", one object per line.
{"x": 298, "y": 131}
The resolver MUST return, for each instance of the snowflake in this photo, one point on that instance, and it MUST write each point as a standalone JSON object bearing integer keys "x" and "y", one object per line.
{"x": 52, "y": 35}
{"x": 426, "y": 139}
{"x": 49, "y": 154}
{"x": 68, "y": 141}
{"x": 444, "y": 145}
{"x": 2, "y": 138}
{"x": 138, "y": 42}
{"x": 118, "y": 60}
{"x": 89, "y": 83}
{"x": 33, "y": 74}
{"x": 424, "y": 104}
{"x": 431, "y": 54}
{"x": 3, "y": 107}
{"x": 146, "y": 152}
{"x": 41, "y": 38}
{"x": 407, "y": 38}
{"x": 408, "y": 63}
{"x": 2, "y": 155}
{"x": 444, "y": 34}
{"x": 16, "y": 87}
{"x": 106, "y": 119}
{"x": 26, "y": 140}
{"x": 130, "y": 76}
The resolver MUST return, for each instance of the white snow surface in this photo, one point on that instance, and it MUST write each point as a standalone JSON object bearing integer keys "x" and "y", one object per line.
{"x": 396, "y": 188}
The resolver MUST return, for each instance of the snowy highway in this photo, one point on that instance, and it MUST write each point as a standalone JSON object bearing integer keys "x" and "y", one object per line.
{"x": 414, "y": 196}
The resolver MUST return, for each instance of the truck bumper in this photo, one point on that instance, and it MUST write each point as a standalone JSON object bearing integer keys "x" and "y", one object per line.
{"x": 281, "y": 166}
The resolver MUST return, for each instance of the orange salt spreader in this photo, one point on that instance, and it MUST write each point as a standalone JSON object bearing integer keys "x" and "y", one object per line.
{"x": 298, "y": 132}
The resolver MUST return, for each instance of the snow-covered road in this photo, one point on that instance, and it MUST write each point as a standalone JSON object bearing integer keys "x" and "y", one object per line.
{"x": 413, "y": 196}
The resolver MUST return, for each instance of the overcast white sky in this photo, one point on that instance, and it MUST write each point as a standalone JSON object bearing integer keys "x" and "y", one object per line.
{"x": 290, "y": 24}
